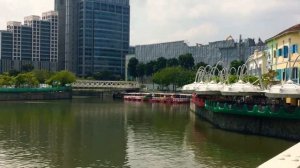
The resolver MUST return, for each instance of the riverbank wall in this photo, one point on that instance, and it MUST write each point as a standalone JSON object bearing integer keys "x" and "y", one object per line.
{"x": 272, "y": 127}
{"x": 35, "y": 96}
{"x": 19, "y": 94}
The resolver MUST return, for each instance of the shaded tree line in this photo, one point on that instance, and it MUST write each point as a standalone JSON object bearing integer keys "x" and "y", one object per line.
{"x": 140, "y": 70}
{"x": 32, "y": 78}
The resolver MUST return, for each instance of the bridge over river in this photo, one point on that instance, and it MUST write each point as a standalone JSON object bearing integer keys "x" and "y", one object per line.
{"x": 95, "y": 88}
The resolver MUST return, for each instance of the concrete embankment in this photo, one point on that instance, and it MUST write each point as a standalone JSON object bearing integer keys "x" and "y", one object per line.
{"x": 35, "y": 96}
{"x": 273, "y": 127}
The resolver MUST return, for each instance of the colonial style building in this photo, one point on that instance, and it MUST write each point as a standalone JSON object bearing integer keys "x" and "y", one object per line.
{"x": 283, "y": 52}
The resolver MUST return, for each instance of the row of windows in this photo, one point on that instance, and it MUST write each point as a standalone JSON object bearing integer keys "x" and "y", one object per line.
{"x": 286, "y": 50}
{"x": 104, "y": 7}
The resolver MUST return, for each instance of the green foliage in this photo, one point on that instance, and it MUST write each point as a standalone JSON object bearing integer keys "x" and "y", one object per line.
{"x": 62, "y": 78}
{"x": 140, "y": 70}
{"x": 13, "y": 72}
{"x": 6, "y": 80}
{"x": 219, "y": 69}
{"x": 251, "y": 79}
{"x": 160, "y": 64}
{"x": 149, "y": 68}
{"x": 173, "y": 75}
{"x": 26, "y": 80}
{"x": 41, "y": 75}
{"x": 105, "y": 75}
{"x": 186, "y": 61}
{"x": 200, "y": 64}
{"x": 132, "y": 65}
{"x": 173, "y": 62}
{"x": 236, "y": 64}
{"x": 232, "y": 79}
{"x": 268, "y": 78}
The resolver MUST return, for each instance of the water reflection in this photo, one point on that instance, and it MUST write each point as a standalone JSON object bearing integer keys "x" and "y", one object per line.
{"x": 93, "y": 133}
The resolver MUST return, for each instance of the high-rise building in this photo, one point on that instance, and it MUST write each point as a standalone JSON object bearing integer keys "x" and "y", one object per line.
{"x": 33, "y": 43}
{"x": 22, "y": 40}
{"x": 6, "y": 48}
{"x": 60, "y": 7}
{"x": 6, "y": 45}
{"x": 52, "y": 17}
{"x": 40, "y": 38}
{"x": 96, "y": 35}
{"x": 68, "y": 33}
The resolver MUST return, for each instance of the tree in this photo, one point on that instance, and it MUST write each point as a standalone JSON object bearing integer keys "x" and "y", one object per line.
{"x": 27, "y": 68}
{"x": 140, "y": 69}
{"x": 62, "y": 78}
{"x": 26, "y": 80}
{"x": 149, "y": 68}
{"x": 236, "y": 64}
{"x": 160, "y": 64}
{"x": 42, "y": 75}
{"x": 186, "y": 61}
{"x": 6, "y": 80}
{"x": 177, "y": 76}
{"x": 173, "y": 62}
{"x": 13, "y": 72}
{"x": 132, "y": 65}
{"x": 219, "y": 69}
{"x": 200, "y": 64}
{"x": 269, "y": 78}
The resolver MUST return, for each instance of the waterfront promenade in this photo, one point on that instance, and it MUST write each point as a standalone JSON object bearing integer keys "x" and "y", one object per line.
{"x": 287, "y": 159}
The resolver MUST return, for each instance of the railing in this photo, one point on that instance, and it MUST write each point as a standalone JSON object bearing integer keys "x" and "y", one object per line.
{"x": 90, "y": 84}
{"x": 256, "y": 110}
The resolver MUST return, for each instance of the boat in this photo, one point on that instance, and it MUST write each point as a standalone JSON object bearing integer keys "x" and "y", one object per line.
{"x": 170, "y": 98}
{"x": 141, "y": 97}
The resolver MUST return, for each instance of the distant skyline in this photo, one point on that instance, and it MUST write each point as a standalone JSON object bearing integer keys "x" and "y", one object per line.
{"x": 195, "y": 21}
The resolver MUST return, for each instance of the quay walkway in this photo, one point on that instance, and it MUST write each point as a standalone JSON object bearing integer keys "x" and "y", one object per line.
{"x": 287, "y": 159}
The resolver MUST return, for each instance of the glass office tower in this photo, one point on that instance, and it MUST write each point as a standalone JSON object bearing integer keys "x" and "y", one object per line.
{"x": 6, "y": 45}
{"x": 99, "y": 30}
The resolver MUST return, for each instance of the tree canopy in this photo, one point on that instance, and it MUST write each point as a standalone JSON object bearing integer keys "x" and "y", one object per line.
{"x": 176, "y": 76}
{"x": 186, "y": 61}
{"x": 236, "y": 64}
{"x": 62, "y": 78}
{"x": 172, "y": 62}
{"x": 132, "y": 65}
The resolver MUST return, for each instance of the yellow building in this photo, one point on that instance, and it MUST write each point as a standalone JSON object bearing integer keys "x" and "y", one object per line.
{"x": 282, "y": 53}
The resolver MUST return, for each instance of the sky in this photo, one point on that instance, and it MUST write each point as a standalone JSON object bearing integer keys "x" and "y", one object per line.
{"x": 194, "y": 21}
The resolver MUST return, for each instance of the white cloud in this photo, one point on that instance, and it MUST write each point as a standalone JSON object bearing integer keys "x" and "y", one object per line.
{"x": 16, "y": 10}
{"x": 195, "y": 33}
{"x": 192, "y": 20}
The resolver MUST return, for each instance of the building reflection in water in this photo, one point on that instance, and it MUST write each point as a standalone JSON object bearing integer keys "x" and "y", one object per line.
{"x": 95, "y": 133}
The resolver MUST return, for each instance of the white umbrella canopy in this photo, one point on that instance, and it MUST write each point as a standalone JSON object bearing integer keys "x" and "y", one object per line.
{"x": 241, "y": 89}
{"x": 288, "y": 89}
{"x": 189, "y": 88}
{"x": 211, "y": 88}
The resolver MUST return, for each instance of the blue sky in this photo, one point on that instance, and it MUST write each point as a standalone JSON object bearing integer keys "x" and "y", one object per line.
{"x": 195, "y": 21}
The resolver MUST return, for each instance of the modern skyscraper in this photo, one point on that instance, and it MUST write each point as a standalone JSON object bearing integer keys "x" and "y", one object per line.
{"x": 33, "y": 43}
{"x": 68, "y": 33}
{"x": 6, "y": 49}
{"x": 52, "y": 18}
{"x": 22, "y": 40}
{"x": 40, "y": 38}
{"x": 6, "y": 45}
{"x": 96, "y": 35}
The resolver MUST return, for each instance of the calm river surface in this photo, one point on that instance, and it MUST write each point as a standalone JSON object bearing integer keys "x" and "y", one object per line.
{"x": 95, "y": 133}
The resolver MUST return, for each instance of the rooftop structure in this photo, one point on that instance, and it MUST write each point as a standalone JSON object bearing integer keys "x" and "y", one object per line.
{"x": 225, "y": 51}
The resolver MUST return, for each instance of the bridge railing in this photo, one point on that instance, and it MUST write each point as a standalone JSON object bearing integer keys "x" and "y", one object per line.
{"x": 92, "y": 84}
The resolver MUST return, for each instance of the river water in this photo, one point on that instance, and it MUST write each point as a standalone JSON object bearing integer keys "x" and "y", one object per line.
{"x": 96, "y": 133}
